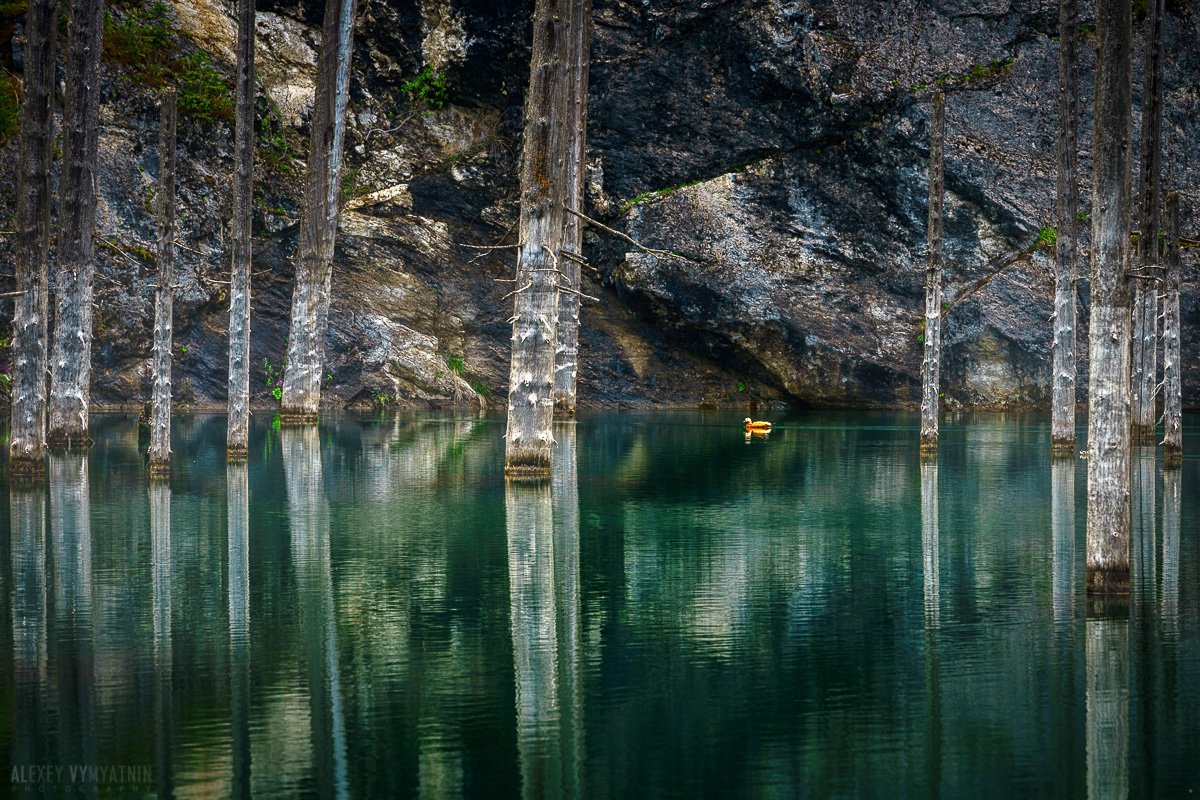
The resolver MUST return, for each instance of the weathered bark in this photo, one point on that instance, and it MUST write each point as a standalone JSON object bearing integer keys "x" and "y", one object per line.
{"x": 1145, "y": 300}
{"x": 237, "y": 491}
{"x": 27, "y": 432}
{"x": 1108, "y": 336}
{"x": 1062, "y": 527}
{"x": 931, "y": 365}
{"x": 566, "y": 366}
{"x": 160, "y": 413}
{"x": 1062, "y": 423}
{"x": 237, "y": 435}
{"x": 1172, "y": 381}
{"x": 70, "y": 363}
{"x": 543, "y": 192}
{"x": 318, "y": 226}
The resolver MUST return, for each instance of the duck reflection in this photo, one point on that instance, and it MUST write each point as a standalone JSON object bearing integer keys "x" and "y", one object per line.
{"x": 542, "y": 521}
{"x": 308, "y": 511}
{"x": 161, "y": 580}
{"x": 236, "y": 478}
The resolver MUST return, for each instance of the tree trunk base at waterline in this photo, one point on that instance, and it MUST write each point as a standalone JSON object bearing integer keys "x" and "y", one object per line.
{"x": 528, "y": 468}
{"x": 297, "y": 418}
{"x": 68, "y": 440}
{"x": 160, "y": 469}
{"x": 1172, "y": 455}
{"x": 1142, "y": 435}
{"x": 27, "y": 469}
{"x": 236, "y": 454}
{"x": 1062, "y": 448}
{"x": 1108, "y": 581}
{"x": 929, "y": 444}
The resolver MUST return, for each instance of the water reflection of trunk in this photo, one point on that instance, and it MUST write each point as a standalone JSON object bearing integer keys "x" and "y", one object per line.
{"x": 1066, "y": 686}
{"x": 1062, "y": 524}
{"x": 1170, "y": 551}
{"x": 564, "y": 480}
{"x": 1106, "y": 653}
{"x": 309, "y": 514}
{"x": 27, "y": 518}
{"x": 239, "y": 624}
{"x": 1143, "y": 658}
{"x": 71, "y": 645}
{"x": 529, "y": 518}
{"x": 931, "y": 574}
{"x": 162, "y": 580}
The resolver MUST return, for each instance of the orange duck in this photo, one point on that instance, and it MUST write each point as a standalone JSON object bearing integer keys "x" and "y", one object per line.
{"x": 757, "y": 427}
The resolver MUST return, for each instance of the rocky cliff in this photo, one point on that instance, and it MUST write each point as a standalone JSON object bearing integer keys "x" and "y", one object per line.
{"x": 778, "y": 148}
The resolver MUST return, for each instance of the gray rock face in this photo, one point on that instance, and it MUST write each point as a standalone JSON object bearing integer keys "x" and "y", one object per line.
{"x": 798, "y": 131}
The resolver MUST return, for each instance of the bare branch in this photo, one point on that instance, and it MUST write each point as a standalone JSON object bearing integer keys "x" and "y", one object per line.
{"x": 621, "y": 235}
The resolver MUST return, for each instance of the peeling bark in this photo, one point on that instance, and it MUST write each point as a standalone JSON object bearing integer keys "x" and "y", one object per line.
{"x": 543, "y": 194}
{"x": 1172, "y": 380}
{"x": 160, "y": 413}
{"x": 1062, "y": 424}
{"x": 931, "y": 364}
{"x": 318, "y": 227}
{"x": 1109, "y": 330}
{"x": 237, "y": 436}
{"x": 70, "y": 363}
{"x": 1145, "y": 300}
{"x": 566, "y": 367}
{"x": 27, "y": 431}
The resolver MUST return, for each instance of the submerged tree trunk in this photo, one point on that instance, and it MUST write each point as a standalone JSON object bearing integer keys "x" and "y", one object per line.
{"x": 1108, "y": 335}
{"x": 241, "y": 228}
{"x": 543, "y": 192}
{"x": 931, "y": 366}
{"x": 1062, "y": 425}
{"x": 160, "y": 414}
{"x": 27, "y": 433}
{"x": 1172, "y": 381}
{"x": 70, "y": 363}
{"x": 566, "y": 368}
{"x": 318, "y": 227}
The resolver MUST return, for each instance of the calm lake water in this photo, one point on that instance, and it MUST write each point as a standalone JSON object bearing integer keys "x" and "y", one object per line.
{"x": 367, "y": 610}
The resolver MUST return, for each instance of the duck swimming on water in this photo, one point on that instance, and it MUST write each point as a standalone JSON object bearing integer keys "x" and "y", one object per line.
{"x": 757, "y": 426}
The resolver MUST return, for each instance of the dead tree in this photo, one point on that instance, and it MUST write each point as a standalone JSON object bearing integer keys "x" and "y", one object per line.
{"x": 160, "y": 413}
{"x": 70, "y": 363}
{"x": 566, "y": 368}
{"x": 1172, "y": 381}
{"x": 1062, "y": 424}
{"x": 318, "y": 227}
{"x": 237, "y": 436}
{"x": 932, "y": 363}
{"x": 1109, "y": 329}
{"x": 543, "y": 193}
{"x": 27, "y": 433}
{"x": 1145, "y": 299}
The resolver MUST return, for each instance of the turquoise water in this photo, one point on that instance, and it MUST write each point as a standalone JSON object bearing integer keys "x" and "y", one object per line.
{"x": 367, "y": 610}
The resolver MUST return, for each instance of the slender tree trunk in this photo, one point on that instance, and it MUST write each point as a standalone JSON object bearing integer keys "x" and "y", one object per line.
{"x": 1172, "y": 381}
{"x": 1062, "y": 426}
{"x": 71, "y": 361}
{"x": 237, "y": 436}
{"x": 931, "y": 366}
{"x": 1145, "y": 300}
{"x": 566, "y": 367}
{"x": 544, "y": 180}
{"x": 160, "y": 413}
{"x": 318, "y": 227}
{"x": 1108, "y": 336}
{"x": 27, "y": 433}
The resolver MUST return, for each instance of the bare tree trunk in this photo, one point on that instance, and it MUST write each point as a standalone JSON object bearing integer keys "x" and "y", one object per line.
{"x": 566, "y": 368}
{"x": 160, "y": 414}
{"x": 1108, "y": 336}
{"x": 544, "y": 179}
{"x": 1062, "y": 425}
{"x": 27, "y": 434}
{"x": 1145, "y": 299}
{"x": 71, "y": 362}
{"x": 318, "y": 228}
{"x": 1172, "y": 381}
{"x": 931, "y": 366}
{"x": 237, "y": 436}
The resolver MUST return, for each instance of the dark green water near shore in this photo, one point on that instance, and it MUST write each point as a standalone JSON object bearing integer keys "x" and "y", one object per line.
{"x": 367, "y": 610}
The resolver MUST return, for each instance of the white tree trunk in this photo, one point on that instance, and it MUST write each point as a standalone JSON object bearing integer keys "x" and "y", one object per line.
{"x": 1172, "y": 380}
{"x": 237, "y": 436}
{"x": 931, "y": 365}
{"x": 160, "y": 413}
{"x": 27, "y": 432}
{"x": 1109, "y": 330}
{"x": 566, "y": 361}
{"x": 544, "y": 180}
{"x": 1062, "y": 424}
{"x": 71, "y": 361}
{"x": 318, "y": 227}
